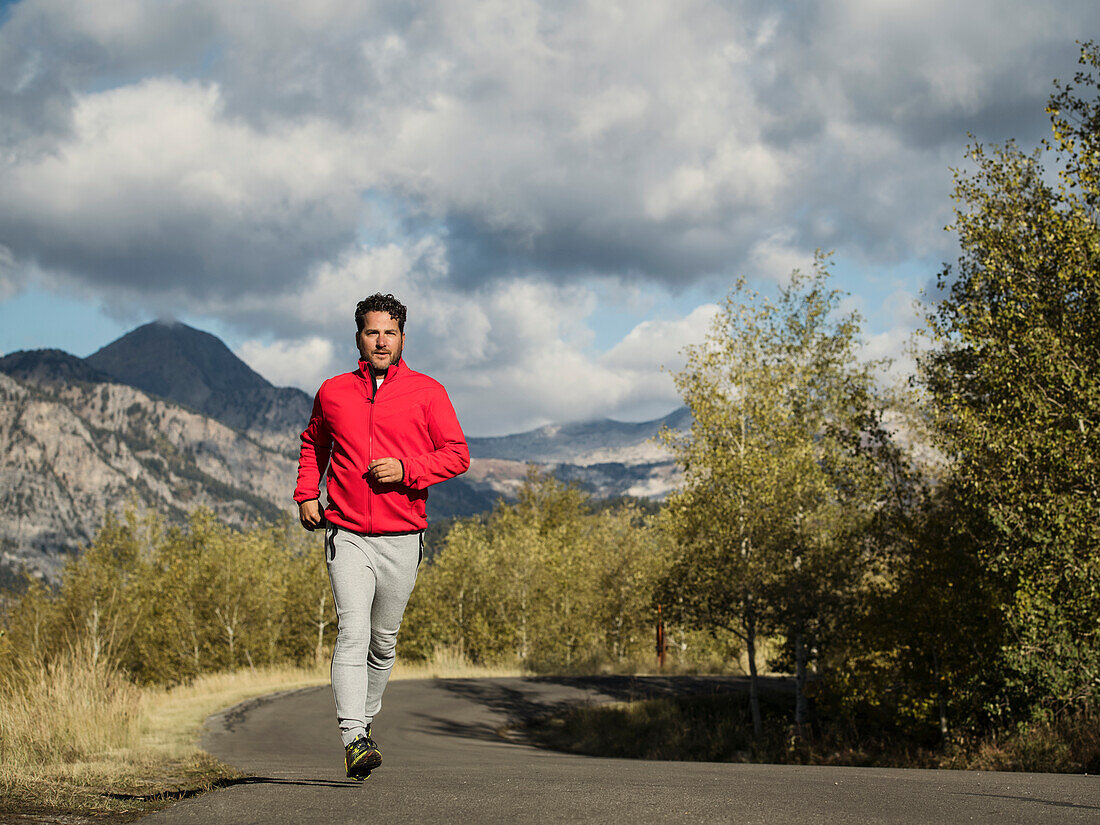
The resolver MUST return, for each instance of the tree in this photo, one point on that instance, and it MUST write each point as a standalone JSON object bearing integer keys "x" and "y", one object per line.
{"x": 779, "y": 471}
{"x": 101, "y": 599}
{"x": 916, "y": 655}
{"x": 1015, "y": 383}
{"x": 544, "y": 581}
{"x": 308, "y": 605}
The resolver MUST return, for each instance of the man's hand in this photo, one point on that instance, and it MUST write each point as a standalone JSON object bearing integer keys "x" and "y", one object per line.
{"x": 386, "y": 470}
{"x": 309, "y": 513}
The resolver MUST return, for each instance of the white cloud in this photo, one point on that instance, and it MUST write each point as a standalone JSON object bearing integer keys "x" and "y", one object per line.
{"x": 302, "y": 363}
{"x": 776, "y": 257}
{"x": 659, "y": 343}
{"x": 901, "y": 319}
{"x": 513, "y": 353}
{"x": 664, "y": 142}
{"x": 501, "y": 166}
{"x": 159, "y": 192}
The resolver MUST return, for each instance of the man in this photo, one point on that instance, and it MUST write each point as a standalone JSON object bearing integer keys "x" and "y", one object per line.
{"x": 385, "y": 434}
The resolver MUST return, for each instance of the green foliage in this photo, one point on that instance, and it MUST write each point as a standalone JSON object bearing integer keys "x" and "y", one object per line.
{"x": 165, "y": 605}
{"x": 920, "y": 649}
{"x": 1015, "y": 385}
{"x": 545, "y": 581}
{"x": 782, "y": 471}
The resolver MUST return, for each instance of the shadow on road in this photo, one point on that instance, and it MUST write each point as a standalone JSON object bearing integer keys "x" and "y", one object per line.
{"x": 516, "y": 705}
{"x": 227, "y": 783}
{"x": 633, "y": 688}
{"x": 540, "y": 697}
{"x": 1049, "y": 802}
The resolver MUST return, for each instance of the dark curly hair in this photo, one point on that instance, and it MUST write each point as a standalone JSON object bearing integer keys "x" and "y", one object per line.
{"x": 380, "y": 303}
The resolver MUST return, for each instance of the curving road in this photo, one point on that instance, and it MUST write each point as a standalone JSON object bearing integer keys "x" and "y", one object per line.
{"x": 446, "y": 762}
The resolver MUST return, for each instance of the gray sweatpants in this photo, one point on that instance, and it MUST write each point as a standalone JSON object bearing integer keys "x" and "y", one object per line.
{"x": 372, "y": 578}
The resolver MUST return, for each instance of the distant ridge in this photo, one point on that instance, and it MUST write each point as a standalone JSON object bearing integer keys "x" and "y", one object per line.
{"x": 50, "y": 366}
{"x": 576, "y": 442}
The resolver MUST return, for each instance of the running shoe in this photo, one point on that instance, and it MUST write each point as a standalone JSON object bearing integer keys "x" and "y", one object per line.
{"x": 361, "y": 756}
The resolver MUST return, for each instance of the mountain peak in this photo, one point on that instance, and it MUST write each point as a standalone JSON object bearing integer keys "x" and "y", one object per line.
{"x": 173, "y": 360}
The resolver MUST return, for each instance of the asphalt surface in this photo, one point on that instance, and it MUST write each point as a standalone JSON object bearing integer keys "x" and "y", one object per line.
{"x": 446, "y": 761}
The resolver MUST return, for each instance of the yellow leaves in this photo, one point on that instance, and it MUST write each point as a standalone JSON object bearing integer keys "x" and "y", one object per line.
{"x": 546, "y": 580}
{"x": 161, "y": 604}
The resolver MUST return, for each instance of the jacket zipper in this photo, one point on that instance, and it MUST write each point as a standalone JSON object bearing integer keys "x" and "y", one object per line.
{"x": 370, "y": 454}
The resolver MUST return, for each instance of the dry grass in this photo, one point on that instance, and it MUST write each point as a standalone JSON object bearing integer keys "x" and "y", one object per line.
{"x": 449, "y": 663}
{"x": 1068, "y": 745}
{"x": 66, "y": 710}
{"x": 77, "y": 738}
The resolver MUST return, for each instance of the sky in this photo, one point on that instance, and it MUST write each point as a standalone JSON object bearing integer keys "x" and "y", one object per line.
{"x": 560, "y": 192}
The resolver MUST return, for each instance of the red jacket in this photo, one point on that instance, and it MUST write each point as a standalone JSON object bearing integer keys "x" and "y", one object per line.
{"x": 409, "y": 418}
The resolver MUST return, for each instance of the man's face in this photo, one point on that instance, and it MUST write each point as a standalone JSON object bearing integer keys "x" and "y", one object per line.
{"x": 381, "y": 340}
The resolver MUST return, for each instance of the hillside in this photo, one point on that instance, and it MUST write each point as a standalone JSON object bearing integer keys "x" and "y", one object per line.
{"x": 70, "y": 452}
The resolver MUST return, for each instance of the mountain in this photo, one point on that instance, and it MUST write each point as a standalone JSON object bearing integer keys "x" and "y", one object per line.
{"x": 194, "y": 368}
{"x": 70, "y": 452}
{"x": 585, "y": 443}
{"x": 168, "y": 417}
{"x": 603, "y": 457}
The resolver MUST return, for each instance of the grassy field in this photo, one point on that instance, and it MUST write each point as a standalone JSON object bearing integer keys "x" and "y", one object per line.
{"x": 79, "y": 739}
{"x": 83, "y": 740}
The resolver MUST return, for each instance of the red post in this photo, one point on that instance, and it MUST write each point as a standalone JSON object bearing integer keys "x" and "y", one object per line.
{"x": 660, "y": 639}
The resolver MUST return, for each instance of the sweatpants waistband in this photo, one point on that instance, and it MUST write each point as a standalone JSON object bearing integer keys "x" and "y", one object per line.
{"x": 325, "y": 524}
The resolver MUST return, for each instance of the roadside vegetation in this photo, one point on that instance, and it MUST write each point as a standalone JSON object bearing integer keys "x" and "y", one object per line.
{"x": 106, "y": 679}
{"x": 923, "y": 561}
{"x": 80, "y": 738}
{"x": 720, "y": 728}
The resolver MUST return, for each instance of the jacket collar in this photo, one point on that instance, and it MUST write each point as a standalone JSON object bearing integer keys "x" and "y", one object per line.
{"x": 395, "y": 371}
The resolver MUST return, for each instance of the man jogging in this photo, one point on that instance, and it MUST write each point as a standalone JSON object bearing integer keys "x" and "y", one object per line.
{"x": 385, "y": 434}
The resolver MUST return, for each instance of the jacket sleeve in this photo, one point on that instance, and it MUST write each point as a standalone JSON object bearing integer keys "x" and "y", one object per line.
{"x": 314, "y": 455}
{"x": 450, "y": 456}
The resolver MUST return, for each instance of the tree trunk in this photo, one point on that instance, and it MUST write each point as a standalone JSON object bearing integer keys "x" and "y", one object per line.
{"x": 319, "y": 653}
{"x": 754, "y": 686}
{"x": 524, "y": 647}
{"x": 801, "y": 707}
{"x": 93, "y": 631}
{"x": 941, "y": 700}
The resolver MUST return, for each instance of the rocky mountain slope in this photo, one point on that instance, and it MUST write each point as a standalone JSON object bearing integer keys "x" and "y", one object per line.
{"x": 69, "y": 452}
{"x": 607, "y": 458}
{"x": 169, "y": 418}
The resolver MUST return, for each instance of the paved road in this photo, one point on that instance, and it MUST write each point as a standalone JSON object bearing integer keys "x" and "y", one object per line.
{"x": 446, "y": 762}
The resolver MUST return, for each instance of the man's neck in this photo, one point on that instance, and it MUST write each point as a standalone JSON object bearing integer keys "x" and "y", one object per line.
{"x": 379, "y": 373}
